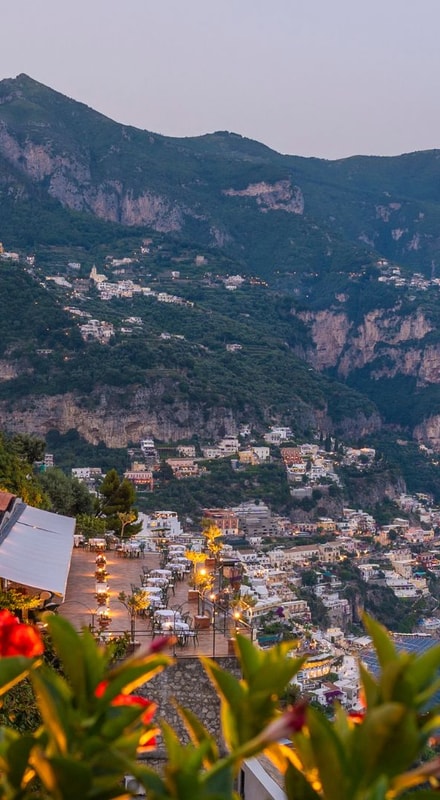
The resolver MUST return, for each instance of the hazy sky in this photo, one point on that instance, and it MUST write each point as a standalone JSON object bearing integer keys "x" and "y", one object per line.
{"x": 328, "y": 78}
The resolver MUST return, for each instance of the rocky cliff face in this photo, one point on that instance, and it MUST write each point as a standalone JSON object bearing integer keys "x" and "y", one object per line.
{"x": 69, "y": 179}
{"x": 280, "y": 196}
{"x": 384, "y": 339}
{"x": 119, "y": 418}
{"x": 98, "y": 418}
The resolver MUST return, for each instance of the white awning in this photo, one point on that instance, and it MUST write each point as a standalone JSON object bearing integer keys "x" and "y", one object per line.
{"x": 36, "y": 551}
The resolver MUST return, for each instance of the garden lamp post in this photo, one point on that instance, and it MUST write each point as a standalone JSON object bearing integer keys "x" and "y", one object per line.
{"x": 212, "y": 599}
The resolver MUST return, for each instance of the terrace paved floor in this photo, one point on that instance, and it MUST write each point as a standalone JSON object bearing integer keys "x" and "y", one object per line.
{"x": 80, "y": 604}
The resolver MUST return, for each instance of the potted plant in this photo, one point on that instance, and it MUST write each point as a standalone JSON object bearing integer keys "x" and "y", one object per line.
{"x": 214, "y": 546}
{"x": 196, "y": 559}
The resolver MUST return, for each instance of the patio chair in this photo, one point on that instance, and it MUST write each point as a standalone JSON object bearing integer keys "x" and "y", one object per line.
{"x": 194, "y": 635}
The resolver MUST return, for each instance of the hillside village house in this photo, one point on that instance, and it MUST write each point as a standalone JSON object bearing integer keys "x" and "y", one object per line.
{"x": 224, "y": 518}
{"x": 140, "y": 477}
{"x": 183, "y": 467}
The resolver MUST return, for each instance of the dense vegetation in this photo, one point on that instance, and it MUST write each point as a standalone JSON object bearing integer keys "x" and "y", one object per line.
{"x": 308, "y": 240}
{"x": 340, "y": 206}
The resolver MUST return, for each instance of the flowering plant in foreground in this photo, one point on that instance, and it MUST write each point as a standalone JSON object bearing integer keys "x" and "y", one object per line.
{"x": 94, "y": 724}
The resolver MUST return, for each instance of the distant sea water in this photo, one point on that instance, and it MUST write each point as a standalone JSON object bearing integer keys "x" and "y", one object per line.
{"x": 412, "y": 643}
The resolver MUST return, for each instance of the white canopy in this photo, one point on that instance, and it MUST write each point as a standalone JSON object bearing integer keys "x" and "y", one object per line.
{"x": 37, "y": 549}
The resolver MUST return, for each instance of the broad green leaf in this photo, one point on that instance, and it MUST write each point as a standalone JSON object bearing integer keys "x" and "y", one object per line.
{"x": 73, "y": 777}
{"x": 119, "y": 719}
{"x": 18, "y": 755}
{"x": 51, "y": 694}
{"x": 384, "y": 741}
{"x": 176, "y": 753}
{"x": 369, "y": 685}
{"x": 297, "y": 786}
{"x": 250, "y": 657}
{"x": 69, "y": 647}
{"x": 386, "y": 652}
{"x": 229, "y": 688}
{"x": 329, "y": 756}
{"x": 134, "y": 674}
{"x": 378, "y": 791}
{"x": 218, "y": 784}
{"x": 13, "y": 670}
{"x": 276, "y": 676}
{"x": 394, "y": 683}
{"x": 199, "y": 733}
{"x": 150, "y": 779}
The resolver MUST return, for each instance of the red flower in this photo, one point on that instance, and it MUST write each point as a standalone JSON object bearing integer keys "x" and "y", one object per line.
{"x": 17, "y": 638}
{"x": 129, "y": 700}
{"x": 291, "y": 721}
{"x": 160, "y": 643}
{"x": 356, "y": 716}
{"x": 147, "y": 740}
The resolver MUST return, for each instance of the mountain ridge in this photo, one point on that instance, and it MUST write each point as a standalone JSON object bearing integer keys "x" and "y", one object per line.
{"x": 190, "y": 185}
{"x": 315, "y": 236}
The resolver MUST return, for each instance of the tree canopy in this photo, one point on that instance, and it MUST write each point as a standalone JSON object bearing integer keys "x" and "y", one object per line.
{"x": 116, "y": 500}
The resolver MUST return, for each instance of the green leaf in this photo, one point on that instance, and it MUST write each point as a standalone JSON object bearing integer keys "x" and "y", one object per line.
{"x": 134, "y": 673}
{"x": 18, "y": 755}
{"x": 386, "y": 742}
{"x": 329, "y": 756}
{"x": 250, "y": 657}
{"x": 219, "y": 784}
{"x": 424, "y": 669}
{"x": 297, "y": 786}
{"x": 378, "y": 791}
{"x": 394, "y": 683}
{"x": 386, "y": 652}
{"x": 199, "y": 733}
{"x": 73, "y": 778}
{"x": 276, "y": 675}
{"x": 69, "y": 647}
{"x": 229, "y": 687}
{"x": 52, "y": 695}
{"x": 13, "y": 670}
{"x": 369, "y": 685}
{"x": 174, "y": 748}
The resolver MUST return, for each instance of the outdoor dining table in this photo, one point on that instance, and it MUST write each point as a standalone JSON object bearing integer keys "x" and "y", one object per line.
{"x": 156, "y": 602}
{"x": 178, "y": 570}
{"x": 156, "y": 582}
{"x": 168, "y": 614}
{"x": 161, "y": 573}
{"x": 97, "y": 544}
{"x": 176, "y": 625}
{"x": 179, "y": 628}
{"x": 130, "y": 549}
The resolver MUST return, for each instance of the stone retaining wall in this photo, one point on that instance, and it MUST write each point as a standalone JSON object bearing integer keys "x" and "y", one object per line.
{"x": 187, "y": 684}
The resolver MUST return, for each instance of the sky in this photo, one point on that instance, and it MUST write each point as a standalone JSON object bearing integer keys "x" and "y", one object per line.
{"x": 325, "y": 78}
